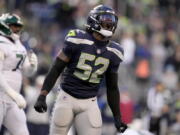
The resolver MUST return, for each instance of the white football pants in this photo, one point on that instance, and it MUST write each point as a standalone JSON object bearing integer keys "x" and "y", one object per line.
{"x": 84, "y": 114}
{"x": 13, "y": 118}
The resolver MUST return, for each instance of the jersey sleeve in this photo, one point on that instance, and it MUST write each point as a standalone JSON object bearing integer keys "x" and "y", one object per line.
{"x": 116, "y": 59}
{"x": 70, "y": 44}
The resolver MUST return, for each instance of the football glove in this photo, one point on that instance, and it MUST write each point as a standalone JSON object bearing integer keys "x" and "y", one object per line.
{"x": 40, "y": 105}
{"x": 120, "y": 126}
{"x": 18, "y": 98}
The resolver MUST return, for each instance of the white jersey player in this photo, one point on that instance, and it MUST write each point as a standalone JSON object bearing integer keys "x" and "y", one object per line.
{"x": 14, "y": 62}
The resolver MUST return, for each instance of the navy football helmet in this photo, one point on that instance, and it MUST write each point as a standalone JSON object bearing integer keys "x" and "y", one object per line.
{"x": 102, "y": 19}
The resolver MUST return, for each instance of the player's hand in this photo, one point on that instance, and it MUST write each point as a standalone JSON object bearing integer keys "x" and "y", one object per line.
{"x": 20, "y": 101}
{"x": 40, "y": 105}
{"x": 18, "y": 98}
{"x": 120, "y": 126}
{"x": 33, "y": 59}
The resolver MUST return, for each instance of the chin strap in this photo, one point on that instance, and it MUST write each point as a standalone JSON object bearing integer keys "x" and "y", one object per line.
{"x": 105, "y": 33}
{"x": 102, "y": 31}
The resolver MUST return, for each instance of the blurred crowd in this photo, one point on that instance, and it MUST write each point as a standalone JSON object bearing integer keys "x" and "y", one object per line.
{"x": 149, "y": 32}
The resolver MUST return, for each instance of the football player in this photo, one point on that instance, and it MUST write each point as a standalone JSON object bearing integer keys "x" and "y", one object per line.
{"x": 88, "y": 56}
{"x": 14, "y": 61}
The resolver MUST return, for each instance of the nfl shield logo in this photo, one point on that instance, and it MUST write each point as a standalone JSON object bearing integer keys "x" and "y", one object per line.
{"x": 98, "y": 51}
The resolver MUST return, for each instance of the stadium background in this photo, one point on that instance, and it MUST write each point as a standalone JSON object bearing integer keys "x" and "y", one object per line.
{"x": 149, "y": 32}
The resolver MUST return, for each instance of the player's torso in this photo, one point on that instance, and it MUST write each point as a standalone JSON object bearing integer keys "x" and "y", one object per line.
{"x": 87, "y": 67}
{"x": 89, "y": 63}
{"x": 15, "y": 54}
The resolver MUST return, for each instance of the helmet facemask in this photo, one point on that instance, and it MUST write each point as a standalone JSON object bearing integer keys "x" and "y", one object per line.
{"x": 107, "y": 24}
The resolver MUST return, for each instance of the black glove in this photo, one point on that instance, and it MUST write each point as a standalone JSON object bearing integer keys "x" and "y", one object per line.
{"x": 120, "y": 126}
{"x": 40, "y": 105}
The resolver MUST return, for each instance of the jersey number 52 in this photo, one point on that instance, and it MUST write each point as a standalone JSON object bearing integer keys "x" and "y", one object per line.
{"x": 88, "y": 73}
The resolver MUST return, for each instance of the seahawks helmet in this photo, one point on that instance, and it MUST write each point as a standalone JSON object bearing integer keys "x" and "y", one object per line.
{"x": 102, "y": 19}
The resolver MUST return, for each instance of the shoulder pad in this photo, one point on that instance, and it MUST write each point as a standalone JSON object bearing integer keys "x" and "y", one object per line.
{"x": 116, "y": 49}
{"x": 78, "y": 37}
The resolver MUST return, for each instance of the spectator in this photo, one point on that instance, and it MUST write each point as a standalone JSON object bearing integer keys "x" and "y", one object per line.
{"x": 127, "y": 106}
{"x": 158, "y": 100}
{"x": 174, "y": 60}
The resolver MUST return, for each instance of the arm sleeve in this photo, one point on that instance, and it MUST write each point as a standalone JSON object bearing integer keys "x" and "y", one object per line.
{"x": 113, "y": 93}
{"x": 56, "y": 69}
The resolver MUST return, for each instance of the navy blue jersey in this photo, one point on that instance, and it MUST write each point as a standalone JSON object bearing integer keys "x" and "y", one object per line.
{"x": 90, "y": 59}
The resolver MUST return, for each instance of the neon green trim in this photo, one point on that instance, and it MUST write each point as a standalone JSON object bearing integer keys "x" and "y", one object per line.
{"x": 71, "y": 33}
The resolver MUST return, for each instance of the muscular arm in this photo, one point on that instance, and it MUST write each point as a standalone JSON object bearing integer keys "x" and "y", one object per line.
{"x": 56, "y": 69}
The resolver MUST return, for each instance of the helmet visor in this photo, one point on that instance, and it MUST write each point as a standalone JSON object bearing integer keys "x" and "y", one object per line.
{"x": 108, "y": 21}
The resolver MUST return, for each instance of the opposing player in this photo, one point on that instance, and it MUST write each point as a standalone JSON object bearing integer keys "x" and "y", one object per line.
{"x": 14, "y": 61}
{"x": 88, "y": 56}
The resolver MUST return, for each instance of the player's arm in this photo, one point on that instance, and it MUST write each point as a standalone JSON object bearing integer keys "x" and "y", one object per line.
{"x": 113, "y": 93}
{"x": 60, "y": 63}
{"x": 114, "y": 99}
{"x": 56, "y": 69}
{"x": 53, "y": 74}
{"x": 4, "y": 86}
{"x": 58, "y": 66}
{"x": 30, "y": 64}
